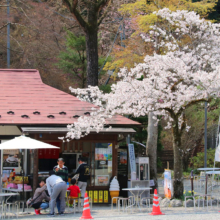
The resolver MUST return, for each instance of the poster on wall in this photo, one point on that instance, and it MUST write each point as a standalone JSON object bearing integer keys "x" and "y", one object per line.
{"x": 103, "y": 153}
{"x": 168, "y": 186}
{"x": 123, "y": 157}
{"x": 11, "y": 159}
{"x": 103, "y": 180}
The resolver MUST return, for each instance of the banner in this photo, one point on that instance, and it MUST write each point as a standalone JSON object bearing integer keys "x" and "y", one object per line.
{"x": 217, "y": 150}
{"x": 105, "y": 196}
{"x": 132, "y": 161}
{"x": 168, "y": 186}
{"x": 217, "y": 154}
{"x": 100, "y": 196}
{"x": 95, "y": 196}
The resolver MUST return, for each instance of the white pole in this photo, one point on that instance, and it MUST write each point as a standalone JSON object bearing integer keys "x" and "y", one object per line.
{"x": 1, "y": 170}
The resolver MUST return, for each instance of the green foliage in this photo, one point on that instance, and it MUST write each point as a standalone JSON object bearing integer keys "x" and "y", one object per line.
{"x": 198, "y": 160}
{"x": 105, "y": 88}
{"x": 73, "y": 59}
{"x": 187, "y": 193}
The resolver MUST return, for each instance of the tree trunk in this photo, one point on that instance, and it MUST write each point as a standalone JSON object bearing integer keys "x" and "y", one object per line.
{"x": 92, "y": 57}
{"x": 178, "y": 163}
{"x": 151, "y": 147}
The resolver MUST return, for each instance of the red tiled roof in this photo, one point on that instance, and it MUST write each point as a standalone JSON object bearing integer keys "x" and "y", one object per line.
{"x": 23, "y": 92}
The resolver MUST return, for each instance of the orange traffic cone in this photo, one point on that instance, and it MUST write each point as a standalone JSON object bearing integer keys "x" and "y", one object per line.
{"x": 86, "y": 210}
{"x": 156, "y": 206}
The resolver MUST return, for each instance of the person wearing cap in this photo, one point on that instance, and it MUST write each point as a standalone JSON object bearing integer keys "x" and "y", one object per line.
{"x": 61, "y": 171}
{"x": 84, "y": 174}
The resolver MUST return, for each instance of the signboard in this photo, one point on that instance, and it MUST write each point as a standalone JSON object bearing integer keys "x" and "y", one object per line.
{"x": 132, "y": 161}
{"x": 152, "y": 183}
{"x": 168, "y": 186}
{"x": 143, "y": 160}
{"x": 105, "y": 196}
{"x": 100, "y": 196}
{"x": 95, "y": 196}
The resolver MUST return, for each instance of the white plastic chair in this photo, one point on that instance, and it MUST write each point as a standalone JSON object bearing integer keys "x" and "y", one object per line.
{"x": 202, "y": 179}
{"x": 2, "y": 208}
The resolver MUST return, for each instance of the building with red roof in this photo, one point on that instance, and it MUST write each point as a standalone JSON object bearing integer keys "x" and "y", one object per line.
{"x": 29, "y": 106}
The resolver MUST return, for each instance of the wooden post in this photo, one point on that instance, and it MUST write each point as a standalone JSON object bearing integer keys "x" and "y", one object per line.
{"x": 35, "y": 170}
{"x": 168, "y": 165}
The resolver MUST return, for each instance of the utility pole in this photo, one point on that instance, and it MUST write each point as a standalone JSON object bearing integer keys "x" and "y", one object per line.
{"x": 8, "y": 34}
{"x": 205, "y": 147}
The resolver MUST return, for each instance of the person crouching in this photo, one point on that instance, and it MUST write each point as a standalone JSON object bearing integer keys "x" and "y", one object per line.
{"x": 39, "y": 196}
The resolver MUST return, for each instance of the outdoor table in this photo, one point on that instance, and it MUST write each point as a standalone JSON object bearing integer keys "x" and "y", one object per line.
{"x": 139, "y": 190}
{"x": 207, "y": 169}
{"x": 16, "y": 190}
{"x": 213, "y": 173}
{"x": 8, "y": 195}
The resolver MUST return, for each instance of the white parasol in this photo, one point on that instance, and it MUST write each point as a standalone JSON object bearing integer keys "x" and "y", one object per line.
{"x": 22, "y": 142}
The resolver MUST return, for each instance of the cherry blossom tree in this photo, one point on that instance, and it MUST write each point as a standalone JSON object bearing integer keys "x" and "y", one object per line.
{"x": 186, "y": 71}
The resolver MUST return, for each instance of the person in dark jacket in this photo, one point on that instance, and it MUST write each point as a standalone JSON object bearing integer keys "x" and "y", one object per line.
{"x": 84, "y": 173}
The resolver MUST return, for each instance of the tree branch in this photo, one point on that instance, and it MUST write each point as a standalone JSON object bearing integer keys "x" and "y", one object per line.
{"x": 172, "y": 114}
{"x": 175, "y": 84}
{"x": 101, "y": 5}
{"x": 75, "y": 13}
{"x": 5, "y": 25}
{"x": 183, "y": 125}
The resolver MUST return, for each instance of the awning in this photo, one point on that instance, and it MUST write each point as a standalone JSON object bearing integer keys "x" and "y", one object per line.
{"x": 31, "y": 130}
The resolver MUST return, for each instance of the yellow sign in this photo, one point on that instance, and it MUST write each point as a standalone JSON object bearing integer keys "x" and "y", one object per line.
{"x": 105, "y": 196}
{"x": 100, "y": 196}
{"x": 95, "y": 196}
{"x": 91, "y": 195}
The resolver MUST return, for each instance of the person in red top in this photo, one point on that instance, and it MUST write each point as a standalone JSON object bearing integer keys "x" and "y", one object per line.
{"x": 74, "y": 191}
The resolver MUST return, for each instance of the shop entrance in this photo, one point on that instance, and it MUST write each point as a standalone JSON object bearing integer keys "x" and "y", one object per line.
{"x": 123, "y": 169}
{"x": 71, "y": 161}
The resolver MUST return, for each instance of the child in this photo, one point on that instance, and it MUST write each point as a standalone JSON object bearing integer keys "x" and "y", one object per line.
{"x": 74, "y": 191}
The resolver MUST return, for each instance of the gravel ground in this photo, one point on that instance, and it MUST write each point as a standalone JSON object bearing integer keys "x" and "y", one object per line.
{"x": 105, "y": 212}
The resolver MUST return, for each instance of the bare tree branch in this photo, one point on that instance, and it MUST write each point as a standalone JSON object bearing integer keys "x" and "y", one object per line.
{"x": 5, "y": 25}
{"x": 106, "y": 10}
{"x": 75, "y": 13}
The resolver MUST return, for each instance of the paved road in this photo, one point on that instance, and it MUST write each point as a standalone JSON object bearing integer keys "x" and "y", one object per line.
{"x": 104, "y": 213}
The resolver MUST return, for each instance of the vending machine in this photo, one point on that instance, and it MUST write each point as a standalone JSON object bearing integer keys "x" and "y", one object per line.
{"x": 142, "y": 175}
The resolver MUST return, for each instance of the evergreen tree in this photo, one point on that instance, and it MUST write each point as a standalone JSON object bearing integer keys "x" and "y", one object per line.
{"x": 73, "y": 60}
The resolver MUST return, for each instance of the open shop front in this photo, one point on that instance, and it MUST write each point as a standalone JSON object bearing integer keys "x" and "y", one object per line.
{"x": 100, "y": 152}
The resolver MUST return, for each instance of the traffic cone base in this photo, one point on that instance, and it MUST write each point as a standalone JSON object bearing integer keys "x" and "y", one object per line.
{"x": 156, "y": 206}
{"x": 86, "y": 210}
